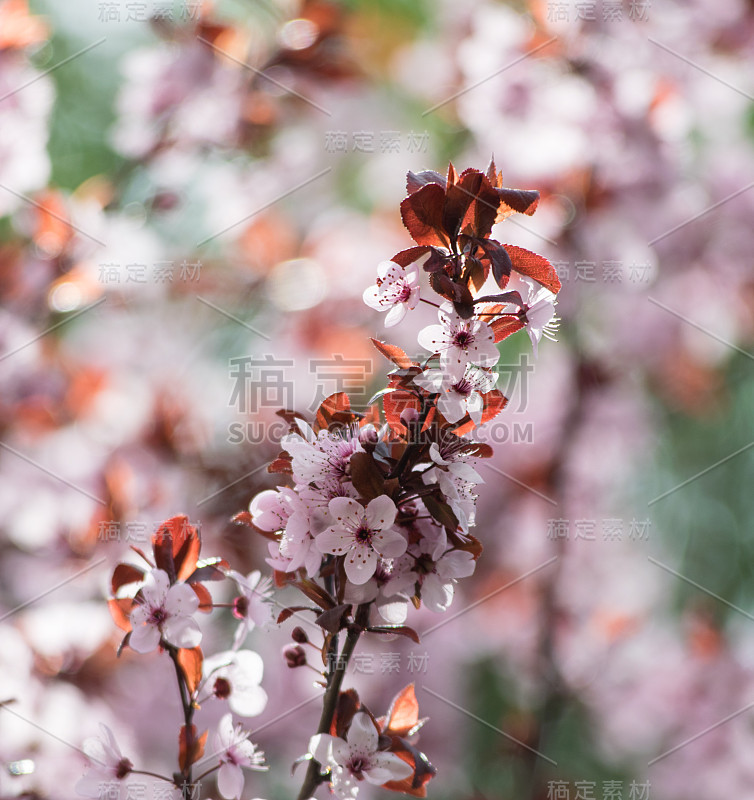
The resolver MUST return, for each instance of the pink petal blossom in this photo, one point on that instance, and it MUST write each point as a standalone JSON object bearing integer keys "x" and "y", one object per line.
{"x": 164, "y": 612}
{"x": 108, "y": 767}
{"x": 236, "y": 754}
{"x": 362, "y": 534}
{"x": 460, "y": 342}
{"x": 396, "y": 291}
{"x": 252, "y": 607}
{"x": 235, "y": 676}
{"x": 357, "y": 758}
{"x": 459, "y": 396}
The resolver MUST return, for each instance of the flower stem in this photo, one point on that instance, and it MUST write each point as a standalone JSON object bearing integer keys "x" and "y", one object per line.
{"x": 335, "y": 675}
{"x": 188, "y": 716}
{"x": 429, "y": 302}
{"x": 151, "y": 774}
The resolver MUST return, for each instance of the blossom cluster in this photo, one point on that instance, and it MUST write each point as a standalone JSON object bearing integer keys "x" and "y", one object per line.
{"x": 379, "y": 512}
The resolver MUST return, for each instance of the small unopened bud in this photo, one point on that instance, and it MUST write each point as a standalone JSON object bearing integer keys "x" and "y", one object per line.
{"x": 368, "y": 435}
{"x": 294, "y": 656}
{"x": 298, "y": 634}
{"x": 409, "y": 416}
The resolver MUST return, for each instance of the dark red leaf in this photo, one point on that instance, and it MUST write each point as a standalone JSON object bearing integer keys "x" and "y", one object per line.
{"x": 415, "y": 180}
{"x": 414, "y": 785}
{"x": 406, "y": 257}
{"x": 124, "y": 574}
{"x": 534, "y": 266}
{"x": 422, "y": 215}
{"x": 120, "y": 611}
{"x": 499, "y": 259}
{"x": 332, "y": 620}
{"x": 190, "y": 662}
{"x": 403, "y": 714}
{"x": 191, "y": 747}
{"x": 366, "y": 476}
{"x": 205, "y": 598}
{"x": 401, "y": 630}
{"x": 335, "y": 411}
{"x": 522, "y": 201}
{"x": 481, "y": 212}
{"x": 286, "y": 613}
{"x": 441, "y": 512}
{"x": 469, "y": 544}
{"x": 493, "y": 176}
{"x": 345, "y": 709}
{"x": 393, "y": 353}
{"x": 315, "y": 593}
{"x": 506, "y": 325}
{"x": 457, "y": 293}
{"x": 281, "y": 464}
{"x": 209, "y": 569}
{"x": 176, "y": 546}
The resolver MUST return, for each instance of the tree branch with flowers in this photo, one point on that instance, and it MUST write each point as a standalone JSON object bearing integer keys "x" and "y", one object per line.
{"x": 374, "y": 515}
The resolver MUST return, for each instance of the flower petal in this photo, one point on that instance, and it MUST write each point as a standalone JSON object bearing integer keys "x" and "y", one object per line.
{"x": 433, "y": 338}
{"x": 181, "y": 600}
{"x": 396, "y": 767}
{"x": 144, "y": 639}
{"x": 345, "y": 512}
{"x": 334, "y": 541}
{"x": 362, "y": 735}
{"x": 230, "y": 781}
{"x": 389, "y": 544}
{"x": 361, "y": 562}
{"x": 182, "y": 632}
{"x": 380, "y": 513}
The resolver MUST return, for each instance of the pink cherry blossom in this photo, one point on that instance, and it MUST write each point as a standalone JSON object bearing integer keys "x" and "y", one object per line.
{"x": 236, "y": 754}
{"x": 357, "y": 758}
{"x": 460, "y": 342}
{"x": 235, "y": 676}
{"x": 252, "y": 607}
{"x": 108, "y": 765}
{"x": 164, "y": 612}
{"x": 435, "y": 569}
{"x": 459, "y": 396}
{"x": 396, "y": 291}
{"x": 362, "y": 534}
{"x": 321, "y": 458}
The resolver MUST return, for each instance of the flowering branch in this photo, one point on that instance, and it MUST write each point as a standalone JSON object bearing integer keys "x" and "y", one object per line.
{"x": 379, "y": 512}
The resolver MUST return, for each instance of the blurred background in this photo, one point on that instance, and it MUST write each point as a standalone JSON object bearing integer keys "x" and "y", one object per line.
{"x": 193, "y": 197}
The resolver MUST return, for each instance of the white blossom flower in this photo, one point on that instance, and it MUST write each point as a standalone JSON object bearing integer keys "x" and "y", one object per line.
{"x": 252, "y": 607}
{"x": 459, "y": 396}
{"x": 357, "y": 758}
{"x": 362, "y": 534}
{"x": 236, "y": 754}
{"x": 460, "y": 342}
{"x": 164, "y": 612}
{"x": 108, "y": 766}
{"x": 538, "y": 309}
{"x": 235, "y": 675}
{"x": 435, "y": 568}
{"x": 396, "y": 291}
